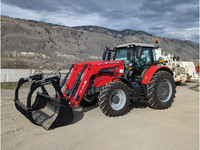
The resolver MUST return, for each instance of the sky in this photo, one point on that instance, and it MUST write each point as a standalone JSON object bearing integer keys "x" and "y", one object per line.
{"x": 167, "y": 18}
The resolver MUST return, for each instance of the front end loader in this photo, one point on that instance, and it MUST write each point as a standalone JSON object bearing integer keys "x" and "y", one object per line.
{"x": 131, "y": 74}
{"x": 37, "y": 111}
{"x": 51, "y": 112}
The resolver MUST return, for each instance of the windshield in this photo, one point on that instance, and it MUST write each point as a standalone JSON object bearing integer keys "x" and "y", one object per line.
{"x": 124, "y": 54}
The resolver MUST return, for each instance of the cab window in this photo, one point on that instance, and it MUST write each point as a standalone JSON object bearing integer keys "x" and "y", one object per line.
{"x": 145, "y": 59}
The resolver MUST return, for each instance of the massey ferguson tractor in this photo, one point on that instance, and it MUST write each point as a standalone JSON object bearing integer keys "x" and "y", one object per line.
{"x": 128, "y": 73}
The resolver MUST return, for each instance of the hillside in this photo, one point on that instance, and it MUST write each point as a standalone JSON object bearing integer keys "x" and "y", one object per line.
{"x": 27, "y": 43}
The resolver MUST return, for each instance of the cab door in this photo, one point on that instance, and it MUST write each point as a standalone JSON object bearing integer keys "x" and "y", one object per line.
{"x": 143, "y": 63}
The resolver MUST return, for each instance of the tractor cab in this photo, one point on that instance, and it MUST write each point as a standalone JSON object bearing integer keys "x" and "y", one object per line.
{"x": 137, "y": 57}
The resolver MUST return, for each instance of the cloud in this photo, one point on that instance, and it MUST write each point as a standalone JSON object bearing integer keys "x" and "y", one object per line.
{"x": 171, "y": 18}
{"x": 64, "y": 17}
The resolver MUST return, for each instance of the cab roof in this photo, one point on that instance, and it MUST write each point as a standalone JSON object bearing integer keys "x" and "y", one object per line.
{"x": 136, "y": 44}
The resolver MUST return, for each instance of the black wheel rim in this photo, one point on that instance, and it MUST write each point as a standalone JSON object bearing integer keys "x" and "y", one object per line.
{"x": 165, "y": 90}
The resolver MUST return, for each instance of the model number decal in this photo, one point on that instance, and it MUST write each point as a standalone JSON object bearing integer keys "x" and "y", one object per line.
{"x": 121, "y": 70}
{"x": 83, "y": 86}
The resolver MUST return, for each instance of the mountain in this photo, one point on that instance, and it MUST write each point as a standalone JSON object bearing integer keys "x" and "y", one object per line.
{"x": 27, "y": 43}
{"x": 114, "y": 33}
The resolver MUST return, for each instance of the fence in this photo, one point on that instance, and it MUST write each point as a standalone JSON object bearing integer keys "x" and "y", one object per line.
{"x": 13, "y": 75}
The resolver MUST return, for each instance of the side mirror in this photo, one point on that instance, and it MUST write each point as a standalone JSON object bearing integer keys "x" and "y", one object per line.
{"x": 139, "y": 53}
{"x": 106, "y": 55}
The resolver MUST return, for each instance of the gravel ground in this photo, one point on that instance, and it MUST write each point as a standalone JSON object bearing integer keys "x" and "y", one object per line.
{"x": 143, "y": 128}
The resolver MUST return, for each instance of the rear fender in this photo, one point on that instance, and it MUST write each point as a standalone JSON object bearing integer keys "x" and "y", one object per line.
{"x": 151, "y": 71}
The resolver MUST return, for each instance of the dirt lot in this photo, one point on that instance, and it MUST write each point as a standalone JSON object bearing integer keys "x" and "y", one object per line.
{"x": 176, "y": 128}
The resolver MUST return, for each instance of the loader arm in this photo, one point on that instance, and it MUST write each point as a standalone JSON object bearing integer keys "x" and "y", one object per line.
{"x": 81, "y": 74}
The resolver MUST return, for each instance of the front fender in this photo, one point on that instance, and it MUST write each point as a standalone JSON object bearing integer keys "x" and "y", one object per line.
{"x": 103, "y": 79}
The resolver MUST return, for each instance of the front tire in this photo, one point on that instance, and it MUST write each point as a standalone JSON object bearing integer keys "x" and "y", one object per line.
{"x": 161, "y": 90}
{"x": 114, "y": 99}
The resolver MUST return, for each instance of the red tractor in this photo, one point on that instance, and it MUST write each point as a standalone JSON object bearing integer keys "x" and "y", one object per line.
{"x": 128, "y": 73}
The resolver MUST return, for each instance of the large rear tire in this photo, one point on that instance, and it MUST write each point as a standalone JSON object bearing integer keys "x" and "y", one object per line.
{"x": 161, "y": 90}
{"x": 114, "y": 99}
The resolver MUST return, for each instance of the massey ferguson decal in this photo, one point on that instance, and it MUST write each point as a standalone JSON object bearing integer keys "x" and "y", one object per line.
{"x": 108, "y": 63}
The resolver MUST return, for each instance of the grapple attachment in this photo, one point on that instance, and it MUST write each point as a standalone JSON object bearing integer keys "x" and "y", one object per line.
{"x": 46, "y": 111}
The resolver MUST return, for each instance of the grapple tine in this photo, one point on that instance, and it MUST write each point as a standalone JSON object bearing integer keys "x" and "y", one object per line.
{"x": 46, "y": 111}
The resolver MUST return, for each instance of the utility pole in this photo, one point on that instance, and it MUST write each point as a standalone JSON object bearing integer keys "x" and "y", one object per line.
{"x": 16, "y": 58}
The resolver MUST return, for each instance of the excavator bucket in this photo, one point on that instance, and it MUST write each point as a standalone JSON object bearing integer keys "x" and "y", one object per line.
{"x": 46, "y": 111}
